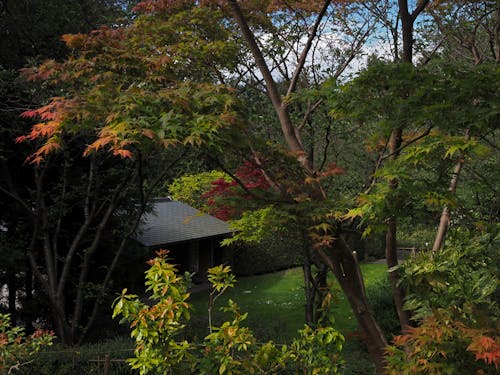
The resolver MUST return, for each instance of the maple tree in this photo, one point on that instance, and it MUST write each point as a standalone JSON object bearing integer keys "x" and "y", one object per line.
{"x": 147, "y": 111}
{"x": 250, "y": 179}
{"x": 31, "y": 32}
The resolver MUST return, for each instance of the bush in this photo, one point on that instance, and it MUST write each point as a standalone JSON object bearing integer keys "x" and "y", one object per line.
{"x": 17, "y": 349}
{"x": 454, "y": 293}
{"x": 229, "y": 348}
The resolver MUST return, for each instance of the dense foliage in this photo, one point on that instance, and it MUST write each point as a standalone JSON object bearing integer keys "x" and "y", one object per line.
{"x": 16, "y": 348}
{"x": 229, "y": 348}
{"x": 455, "y": 296}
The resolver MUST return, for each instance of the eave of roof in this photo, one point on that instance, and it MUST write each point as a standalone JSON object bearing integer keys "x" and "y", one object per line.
{"x": 172, "y": 222}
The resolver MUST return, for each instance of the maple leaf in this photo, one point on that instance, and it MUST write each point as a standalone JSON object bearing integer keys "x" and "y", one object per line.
{"x": 332, "y": 170}
{"x": 485, "y": 348}
{"x": 125, "y": 154}
{"x": 30, "y": 114}
{"x": 75, "y": 41}
{"x": 148, "y": 133}
{"x": 99, "y": 143}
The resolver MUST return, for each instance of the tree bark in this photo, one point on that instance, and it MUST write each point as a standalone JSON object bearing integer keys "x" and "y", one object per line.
{"x": 12, "y": 287}
{"x": 444, "y": 220}
{"x": 28, "y": 289}
{"x": 391, "y": 248}
{"x": 340, "y": 260}
{"x": 309, "y": 290}
{"x": 496, "y": 35}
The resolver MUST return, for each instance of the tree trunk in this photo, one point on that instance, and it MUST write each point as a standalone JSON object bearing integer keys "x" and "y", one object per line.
{"x": 309, "y": 290}
{"x": 343, "y": 264}
{"x": 391, "y": 247}
{"x": 12, "y": 287}
{"x": 62, "y": 328}
{"x": 321, "y": 287}
{"x": 496, "y": 36}
{"x": 28, "y": 289}
{"x": 391, "y": 255}
{"x": 444, "y": 221}
{"x": 407, "y": 26}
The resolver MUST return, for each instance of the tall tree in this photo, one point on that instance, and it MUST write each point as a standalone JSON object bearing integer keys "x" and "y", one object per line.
{"x": 408, "y": 18}
{"x": 30, "y": 32}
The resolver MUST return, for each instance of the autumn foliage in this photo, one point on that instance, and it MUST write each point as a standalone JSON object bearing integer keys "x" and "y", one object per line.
{"x": 442, "y": 346}
{"x": 224, "y": 194}
{"x": 151, "y": 82}
{"x": 268, "y": 6}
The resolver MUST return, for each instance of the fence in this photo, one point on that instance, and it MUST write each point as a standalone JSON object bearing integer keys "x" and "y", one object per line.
{"x": 89, "y": 360}
{"x": 106, "y": 363}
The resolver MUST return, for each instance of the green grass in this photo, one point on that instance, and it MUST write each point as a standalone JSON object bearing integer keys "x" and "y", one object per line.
{"x": 275, "y": 306}
{"x": 275, "y": 303}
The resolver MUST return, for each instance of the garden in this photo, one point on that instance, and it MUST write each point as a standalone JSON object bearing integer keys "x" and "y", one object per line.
{"x": 340, "y": 159}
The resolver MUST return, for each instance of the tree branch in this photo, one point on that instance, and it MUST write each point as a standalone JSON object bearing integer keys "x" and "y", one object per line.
{"x": 143, "y": 200}
{"x": 272, "y": 89}
{"x": 399, "y": 149}
{"x": 307, "y": 47}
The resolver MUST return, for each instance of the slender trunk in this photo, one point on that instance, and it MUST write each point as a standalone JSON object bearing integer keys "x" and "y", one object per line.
{"x": 321, "y": 288}
{"x": 12, "y": 287}
{"x": 309, "y": 291}
{"x": 62, "y": 328}
{"x": 28, "y": 289}
{"x": 392, "y": 261}
{"x": 391, "y": 249}
{"x": 340, "y": 260}
{"x": 391, "y": 254}
{"x": 496, "y": 34}
{"x": 89, "y": 212}
{"x": 444, "y": 221}
{"x": 85, "y": 267}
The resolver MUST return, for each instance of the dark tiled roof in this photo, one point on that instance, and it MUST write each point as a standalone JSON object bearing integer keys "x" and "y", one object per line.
{"x": 171, "y": 222}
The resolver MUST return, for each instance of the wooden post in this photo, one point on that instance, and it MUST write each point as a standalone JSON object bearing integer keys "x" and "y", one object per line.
{"x": 106, "y": 364}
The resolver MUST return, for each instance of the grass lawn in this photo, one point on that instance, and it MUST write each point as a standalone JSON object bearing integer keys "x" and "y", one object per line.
{"x": 275, "y": 306}
{"x": 275, "y": 302}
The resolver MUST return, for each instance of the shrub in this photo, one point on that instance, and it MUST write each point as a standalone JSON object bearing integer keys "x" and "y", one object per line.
{"x": 444, "y": 346}
{"x": 454, "y": 294}
{"x": 381, "y": 302}
{"x": 270, "y": 255}
{"x": 17, "y": 349}
{"x": 230, "y": 348}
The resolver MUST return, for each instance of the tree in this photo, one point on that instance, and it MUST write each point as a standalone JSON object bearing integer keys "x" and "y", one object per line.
{"x": 31, "y": 32}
